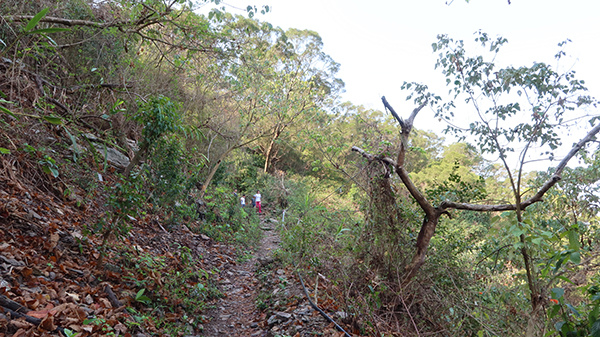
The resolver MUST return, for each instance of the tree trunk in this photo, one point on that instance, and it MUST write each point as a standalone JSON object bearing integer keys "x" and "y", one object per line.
{"x": 270, "y": 150}
{"x": 136, "y": 159}
{"x": 425, "y": 234}
{"x": 212, "y": 172}
{"x": 268, "y": 155}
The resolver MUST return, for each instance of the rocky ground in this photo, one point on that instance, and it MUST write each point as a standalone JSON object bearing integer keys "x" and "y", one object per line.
{"x": 263, "y": 298}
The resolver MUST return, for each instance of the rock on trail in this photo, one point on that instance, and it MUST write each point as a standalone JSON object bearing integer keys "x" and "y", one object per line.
{"x": 245, "y": 286}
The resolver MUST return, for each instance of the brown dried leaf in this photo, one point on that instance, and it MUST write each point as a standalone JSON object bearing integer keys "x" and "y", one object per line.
{"x": 73, "y": 297}
{"x": 68, "y": 321}
{"x": 20, "y": 333}
{"x": 26, "y": 272}
{"x": 75, "y": 327}
{"x": 20, "y": 324}
{"x": 105, "y": 302}
{"x": 38, "y": 314}
{"x": 54, "y": 237}
{"x": 48, "y": 323}
{"x": 120, "y": 328}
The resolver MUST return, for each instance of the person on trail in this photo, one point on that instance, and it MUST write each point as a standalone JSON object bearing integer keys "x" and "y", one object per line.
{"x": 253, "y": 202}
{"x": 257, "y": 197}
{"x": 243, "y": 200}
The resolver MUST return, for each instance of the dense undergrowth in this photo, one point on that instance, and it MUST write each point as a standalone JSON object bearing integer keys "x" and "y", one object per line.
{"x": 207, "y": 110}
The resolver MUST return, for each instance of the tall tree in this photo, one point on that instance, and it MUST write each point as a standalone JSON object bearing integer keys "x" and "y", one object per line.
{"x": 276, "y": 82}
{"x": 303, "y": 83}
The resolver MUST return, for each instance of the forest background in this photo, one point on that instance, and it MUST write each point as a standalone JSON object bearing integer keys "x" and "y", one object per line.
{"x": 417, "y": 235}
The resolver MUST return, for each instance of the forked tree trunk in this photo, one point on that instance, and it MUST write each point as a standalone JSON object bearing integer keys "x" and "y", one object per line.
{"x": 432, "y": 213}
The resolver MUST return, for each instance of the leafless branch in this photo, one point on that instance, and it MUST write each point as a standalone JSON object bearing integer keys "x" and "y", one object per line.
{"x": 392, "y": 111}
{"x": 432, "y": 214}
{"x": 540, "y": 193}
{"x": 70, "y": 22}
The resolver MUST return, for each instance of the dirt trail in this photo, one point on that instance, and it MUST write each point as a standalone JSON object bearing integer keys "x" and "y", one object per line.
{"x": 285, "y": 310}
{"x": 236, "y": 314}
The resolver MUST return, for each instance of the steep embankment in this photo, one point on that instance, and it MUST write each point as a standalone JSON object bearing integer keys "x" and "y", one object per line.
{"x": 50, "y": 280}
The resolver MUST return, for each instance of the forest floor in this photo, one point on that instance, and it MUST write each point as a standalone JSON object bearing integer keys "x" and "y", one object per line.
{"x": 52, "y": 285}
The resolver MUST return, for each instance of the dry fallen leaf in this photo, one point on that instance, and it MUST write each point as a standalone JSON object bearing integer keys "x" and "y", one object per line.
{"x": 120, "y": 328}
{"x": 75, "y": 327}
{"x": 20, "y": 324}
{"x": 20, "y": 333}
{"x": 48, "y": 323}
{"x": 54, "y": 237}
{"x": 74, "y": 297}
{"x": 105, "y": 302}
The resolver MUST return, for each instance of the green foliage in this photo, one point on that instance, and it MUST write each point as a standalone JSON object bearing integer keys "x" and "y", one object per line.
{"x": 159, "y": 116}
{"x": 280, "y": 112}
{"x": 5, "y": 110}
{"x": 101, "y": 324}
{"x": 456, "y": 189}
{"x": 517, "y": 111}
{"x": 47, "y": 163}
{"x": 242, "y": 172}
{"x": 34, "y": 21}
{"x": 29, "y": 30}
{"x": 140, "y": 297}
{"x": 167, "y": 177}
{"x": 549, "y": 96}
{"x": 226, "y": 220}
{"x": 70, "y": 333}
{"x": 49, "y": 166}
{"x": 576, "y": 320}
{"x": 169, "y": 283}
{"x": 125, "y": 199}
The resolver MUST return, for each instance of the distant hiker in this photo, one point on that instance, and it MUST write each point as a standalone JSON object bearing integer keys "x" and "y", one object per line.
{"x": 243, "y": 200}
{"x": 257, "y": 197}
{"x": 253, "y": 202}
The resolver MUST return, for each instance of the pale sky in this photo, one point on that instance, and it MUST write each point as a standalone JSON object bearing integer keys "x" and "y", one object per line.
{"x": 381, "y": 43}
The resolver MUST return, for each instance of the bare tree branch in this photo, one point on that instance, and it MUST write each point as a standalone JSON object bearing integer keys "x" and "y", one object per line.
{"x": 556, "y": 177}
{"x": 406, "y": 128}
{"x": 392, "y": 111}
{"x": 71, "y": 22}
{"x": 432, "y": 214}
{"x": 135, "y": 26}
